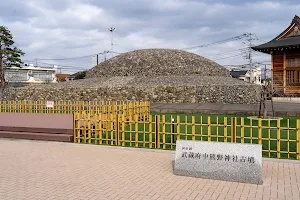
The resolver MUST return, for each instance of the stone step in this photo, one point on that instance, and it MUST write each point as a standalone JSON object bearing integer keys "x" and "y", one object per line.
{"x": 37, "y": 130}
{"x": 37, "y": 136}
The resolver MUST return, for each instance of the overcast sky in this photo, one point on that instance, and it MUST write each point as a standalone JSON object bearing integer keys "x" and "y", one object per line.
{"x": 52, "y": 29}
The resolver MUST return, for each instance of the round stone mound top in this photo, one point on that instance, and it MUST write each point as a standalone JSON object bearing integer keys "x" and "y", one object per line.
{"x": 157, "y": 62}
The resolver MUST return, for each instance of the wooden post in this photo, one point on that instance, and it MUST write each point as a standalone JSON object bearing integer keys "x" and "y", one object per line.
{"x": 233, "y": 129}
{"x": 259, "y": 131}
{"x": 157, "y": 138}
{"x": 150, "y": 132}
{"x": 178, "y": 128}
{"x": 284, "y": 73}
{"x": 117, "y": 130}
{"x": 278, "y": 138}
{"x": 193, "y": 128}
{"x": 123, "y": 129}
{"x": 136, "y": 128}
{"x": 298, "y": 140}
{"x": 208, "y": 129}
{"x": 173, "y": 131}
{"x": 225, "y": 129}
{"x": 242, "y": 130}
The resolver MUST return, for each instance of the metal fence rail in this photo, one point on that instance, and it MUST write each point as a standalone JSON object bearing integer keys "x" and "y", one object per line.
{"x": 280, "y": 139}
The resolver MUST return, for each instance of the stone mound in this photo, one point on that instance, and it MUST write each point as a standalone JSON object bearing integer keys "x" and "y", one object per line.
{"x": 157, "y": 62}
{"x": 157, "y": 75}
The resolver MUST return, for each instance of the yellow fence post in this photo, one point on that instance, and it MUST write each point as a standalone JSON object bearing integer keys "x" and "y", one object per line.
{"x": 164, "y": 131}
{"x": 208, "y": 129}
{"x": 157, "y": 138}
{"x": 225, "y": 129}
{"x": 233, "y": 129}
{"x": 278, "y": 138}
{"x": 178, "y": 127}
{"x": 193, "y": 128}
{"x": 111, "y": 126}
{"x": 242, "y": 130}
{"x": 96, "y": 124}
{"x": 117, "y": 129}
{"x": 298, "y": 140}
{"x": 259, "y": 131}
{"x": 136, "y": 121}
{"x": 150, "y": 132}
{"x": 100, "y": 128}
{"x": 89, "y": 128}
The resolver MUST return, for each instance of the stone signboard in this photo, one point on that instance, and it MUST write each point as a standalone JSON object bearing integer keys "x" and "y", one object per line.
{"x": 219, "y": 160}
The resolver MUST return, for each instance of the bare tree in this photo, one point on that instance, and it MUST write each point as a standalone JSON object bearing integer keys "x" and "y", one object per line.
{"x": 266, "y": 93}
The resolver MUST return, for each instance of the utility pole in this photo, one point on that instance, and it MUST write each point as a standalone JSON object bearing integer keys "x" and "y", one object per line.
{"x": 112, "y": 29}
{"x": 250, "y": 58}
{"x": 251, "y": 37}
{"x": 104, "y": 53}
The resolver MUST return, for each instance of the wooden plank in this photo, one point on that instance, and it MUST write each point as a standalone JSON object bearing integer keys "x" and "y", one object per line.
{"x": 277, "y": 72}
{"x": 291, "y": 55}
{"x": 284, "y": 72}
{"x": 293, "y": 68}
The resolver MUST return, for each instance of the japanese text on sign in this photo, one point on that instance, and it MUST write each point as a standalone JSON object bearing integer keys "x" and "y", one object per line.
{"x": 218, "y": 157}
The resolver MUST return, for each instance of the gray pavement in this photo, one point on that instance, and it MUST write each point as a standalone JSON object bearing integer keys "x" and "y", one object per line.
{"x": 280, "y": 108}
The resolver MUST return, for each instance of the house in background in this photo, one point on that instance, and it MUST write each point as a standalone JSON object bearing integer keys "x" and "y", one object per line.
{"x": 285, "y": 52}
{"x": 62, "y": 77}
{"x": 29, "y": 75}
{"x": 244, "y": 73}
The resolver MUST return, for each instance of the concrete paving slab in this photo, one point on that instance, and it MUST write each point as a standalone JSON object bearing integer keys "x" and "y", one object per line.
{"x": 52, "y": 170}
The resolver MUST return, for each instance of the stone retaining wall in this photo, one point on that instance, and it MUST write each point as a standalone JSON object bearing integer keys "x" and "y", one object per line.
{"x": 243, "y": 94}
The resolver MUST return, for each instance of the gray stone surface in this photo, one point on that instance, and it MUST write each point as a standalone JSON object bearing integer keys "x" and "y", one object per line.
{"x": 157, "y": 62}
{"x": 220, "y": 161}
{"x": 163, "y": 89}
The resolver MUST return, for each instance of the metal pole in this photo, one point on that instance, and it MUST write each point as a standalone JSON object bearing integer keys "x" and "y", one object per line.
{"x": 250, "y": 57}
{"x": 173, "y": 131}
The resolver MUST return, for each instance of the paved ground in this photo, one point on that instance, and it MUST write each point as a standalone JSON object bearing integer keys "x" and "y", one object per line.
{"x": 291, "y": 109}
{"x": 50, "y": 170}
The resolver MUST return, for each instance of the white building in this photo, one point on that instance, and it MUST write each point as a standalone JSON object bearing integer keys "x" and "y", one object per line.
{"x": 30, "y": 74}
{"x": 245, "y": 73}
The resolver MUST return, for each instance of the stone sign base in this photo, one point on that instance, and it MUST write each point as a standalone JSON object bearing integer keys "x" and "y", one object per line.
{"x": 218, "y": 160}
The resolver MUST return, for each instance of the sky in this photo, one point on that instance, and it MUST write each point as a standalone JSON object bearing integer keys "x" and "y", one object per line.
{"x": 68, "y": 32}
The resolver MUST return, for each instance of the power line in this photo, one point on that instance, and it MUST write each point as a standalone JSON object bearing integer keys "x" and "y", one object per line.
{"x": 65, "y": 58}
{"x": 228, "y": 57}
{"x": 72, "y": 58}
{"x": 59, "y": 65}
{"x": 220, "y": 42}
{"x": 227, "y": 53}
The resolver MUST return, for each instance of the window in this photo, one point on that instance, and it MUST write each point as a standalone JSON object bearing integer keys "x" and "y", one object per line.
{"x": 293, "y": 76}
{"x": 42, "y": 75}
{"x": 16, "y": 75}
{"x": 293, "y": 62}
